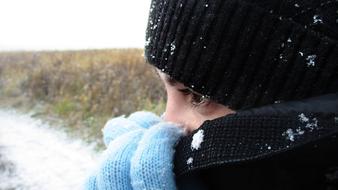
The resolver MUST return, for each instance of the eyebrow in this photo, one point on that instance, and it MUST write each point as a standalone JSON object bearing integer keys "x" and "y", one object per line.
{"x": 168, "y": 79}
{"x": 174, "y": 82}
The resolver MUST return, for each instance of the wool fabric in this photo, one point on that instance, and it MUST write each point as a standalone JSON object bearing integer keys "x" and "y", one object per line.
{"x": 250, "y": 137}
{"x": 139, "y": 154}
{"x": 246, "y": 53}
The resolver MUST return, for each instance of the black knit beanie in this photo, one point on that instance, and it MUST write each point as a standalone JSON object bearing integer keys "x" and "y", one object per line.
{"x": 246, "y": 53}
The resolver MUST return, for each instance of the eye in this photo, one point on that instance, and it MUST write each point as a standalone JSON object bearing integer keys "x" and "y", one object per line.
{"x": 185, "y": 91}
{"x": 196, "y": 99}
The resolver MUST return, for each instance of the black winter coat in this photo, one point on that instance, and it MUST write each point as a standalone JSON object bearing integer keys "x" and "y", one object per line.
{"x": 285, "y": 146}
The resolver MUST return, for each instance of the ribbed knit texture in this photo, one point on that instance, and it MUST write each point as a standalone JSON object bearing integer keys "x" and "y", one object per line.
{"x": 114, "y": 170}
{"x": 139, "y": 154}
{"x": 133, "y": 122}
{"x": 152, "y": 162}
{"x": 246, "y": 53}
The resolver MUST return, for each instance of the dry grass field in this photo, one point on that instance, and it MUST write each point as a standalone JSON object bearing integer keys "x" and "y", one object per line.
{"x": 83, "y": 88}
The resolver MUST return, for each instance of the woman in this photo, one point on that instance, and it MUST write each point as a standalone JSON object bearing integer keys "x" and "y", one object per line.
{"x": 256, "y": 82}
{"x": 253, "y": 82}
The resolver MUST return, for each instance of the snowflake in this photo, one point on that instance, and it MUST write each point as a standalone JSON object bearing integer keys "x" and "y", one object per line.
{"x": 172, "y": 48}
{"x": 290, "y": 134}
{"x": 197, "y": 139}
{"x": 317, "y": 19}
{"x": 190, "y": 160}
{"x": 312, "y": 125}
{"x": 303, "y": 118}
{"x": 147, "y": 42}
{"x": 311, "y": 60}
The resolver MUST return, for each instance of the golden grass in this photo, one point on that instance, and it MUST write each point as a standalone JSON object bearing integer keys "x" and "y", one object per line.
{"x": 84, "y": 88}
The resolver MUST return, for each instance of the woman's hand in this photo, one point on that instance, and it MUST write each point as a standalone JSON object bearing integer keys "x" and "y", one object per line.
{"x": 139, "y": 154}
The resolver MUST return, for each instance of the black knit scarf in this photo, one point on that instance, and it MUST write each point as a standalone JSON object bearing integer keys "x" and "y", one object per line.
{"x": 252, "y": 135}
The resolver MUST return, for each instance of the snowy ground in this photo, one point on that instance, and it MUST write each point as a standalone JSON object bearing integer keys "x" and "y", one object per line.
{"x": 34, "y": 156}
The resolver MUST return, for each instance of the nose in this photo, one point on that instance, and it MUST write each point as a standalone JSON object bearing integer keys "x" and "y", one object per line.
{"x": 173, "y": 113}
{"x": 177, "y": 112}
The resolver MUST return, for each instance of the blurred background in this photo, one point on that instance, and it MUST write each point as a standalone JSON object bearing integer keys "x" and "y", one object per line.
{"x": 66, "y": 67}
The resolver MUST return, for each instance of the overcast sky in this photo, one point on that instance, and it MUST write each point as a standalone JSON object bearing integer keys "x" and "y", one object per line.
{"x": 72, "y": 24}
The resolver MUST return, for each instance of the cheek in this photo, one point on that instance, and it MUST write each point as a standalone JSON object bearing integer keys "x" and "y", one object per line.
{"x": 176, "y": 100}
{"x": 179, "y": 110}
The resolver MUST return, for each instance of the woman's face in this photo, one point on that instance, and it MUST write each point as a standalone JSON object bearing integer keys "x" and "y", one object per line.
{"x": 187, "y": 107}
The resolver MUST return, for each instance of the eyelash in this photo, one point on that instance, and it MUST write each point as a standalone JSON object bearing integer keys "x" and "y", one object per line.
{"x": 200, "y": 100}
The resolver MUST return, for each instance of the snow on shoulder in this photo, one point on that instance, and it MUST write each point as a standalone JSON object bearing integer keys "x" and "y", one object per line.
{"x": 197, "y": 139}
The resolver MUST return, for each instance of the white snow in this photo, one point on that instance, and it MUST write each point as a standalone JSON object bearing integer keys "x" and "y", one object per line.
{"x": 303, "y": 118}
{"x": 300, "y": 131}
{"x": 43, "y": 158}
{"x": 310, "y": 125}
{"x": 147, "y": 42}
{"x": 172, "y": 48}
{"x": 190, "y": 160}
{"x": 317, "y": 19}
{"x": 311, "y": 60}
{"x": 197, "y": 139}
{"x": 152, "y": 7}
{"x": 153, "y": 27}
{"x": 290, "y": 134}
{"x": 289, "y": 40}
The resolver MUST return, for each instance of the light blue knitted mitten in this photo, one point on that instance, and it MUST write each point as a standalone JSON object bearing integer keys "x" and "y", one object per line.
{"x": 151, "y": 164}
{"x": 117, "y": 126}
{"x": 139, "y": 154}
